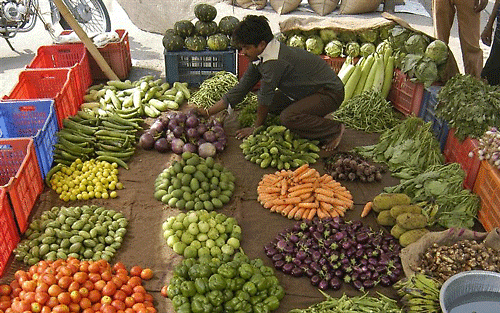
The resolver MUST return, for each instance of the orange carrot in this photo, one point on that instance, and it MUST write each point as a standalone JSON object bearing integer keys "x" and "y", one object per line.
{"x": 301, "y": 169}
{"x": 309, "y": 180}
{"x": 322, "y": 214}
{"x": 310, "y": 199}
{"x": 333, "y": 201}
{"x": 325, "y": 192}
{"x": 293, "y": 200}
{"x": 306, "y": 196}
{"x": 311, "y": 214}
{"x": 299, "y": 214}
{"x": 305, "y": 174}
{"x": 333, "y": 213}
{"x": 300, "y": 191}
{"x": 309, "y": 205}
{"x": 300, "y": 186}
{"x": 268, "y": 189}
{"x": 292, "y": 212}
{"x": 286, "y": 210}
{"x": 340, "y": 210}
{"x": 326, "y": 206}
{"x": 366, "y": 209}
{"x": 284, "y": 187}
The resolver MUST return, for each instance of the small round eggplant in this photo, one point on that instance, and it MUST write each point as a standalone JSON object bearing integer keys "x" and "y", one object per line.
{"x": 335, "y": 283}
{"x": 385, "y": 281}
{"x": 357, "y": 285}
{"x": 287, "y": 268}
{"x": 297, "y": 272}
{"x": 323, "y": 284}
{"x": 315, "y": 280}
{"x": 368, "y": 283}
{"x": 278, "y": 256}
{"x": 279, "y": 264}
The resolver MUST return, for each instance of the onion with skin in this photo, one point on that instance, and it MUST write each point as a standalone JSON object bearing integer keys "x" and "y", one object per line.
{"x": 192, "y": 133}
{"x": 209, "y": 136}
{"x": 192, "y": 121}
{"x": 189, "y": 147}
{"x": 177, "y": 145}
{"x": 206, "y": 150}
{"x": 146, "y": 141}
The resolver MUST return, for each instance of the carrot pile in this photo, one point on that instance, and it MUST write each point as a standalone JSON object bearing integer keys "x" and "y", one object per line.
{"x": 303, "y": 194}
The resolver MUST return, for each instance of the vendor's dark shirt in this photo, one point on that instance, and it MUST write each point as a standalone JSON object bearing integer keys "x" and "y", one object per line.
{"x": 295, "y": 72}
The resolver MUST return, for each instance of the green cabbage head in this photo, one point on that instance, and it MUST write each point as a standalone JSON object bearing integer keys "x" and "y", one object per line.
{"x": 437, "y": 51}
{"x": 367, "y": 49}
{"x": 368, "y": 35}
{"x": 298, "y": 41}
{"x": 352, "y": 49}
{"x": 426, "y": 72}
{"x": 327, "y": 35}
{"x": 416, "y": 44}
{"x": 334, "y": 48}
{"x": 315, "y": 45}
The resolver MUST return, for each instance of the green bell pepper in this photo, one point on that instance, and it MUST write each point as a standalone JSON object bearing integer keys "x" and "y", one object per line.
{"x": 230, "y": 305}
{"x": 266, "y": 271}
{"x": 272, "y": 280}
{"x": 173, "y": 290}
{"x": 250, "y": 288}
{"x": 194, "y": 271}
{"x": 238, "y": 283}
{"x": 277, "y": 291}
{"x": 259, "y": 281}
{"x": 215, "y": 297}
{"x": 260, "y": 308}
{"x": 227, "y": 294}
{"x": 205, "y": 270}
{"x": 201, "y": 285}
{"x": 181, "y": 270}
{"x": 188, "y": 288}
{"x": 218, "y": 309}
{"x": 226, "y": 271}
{"x": 258, "y": 263}
{"x": 184, "y": 308}
{"x": 189, "y": 262}
{"x": 196, "y": 306}
{"x": 179, "y": 300}
{"x": 216, "y": 282}
{"x": 272, "y": 303}
{"x": 240, "y": 257}
{"x": 242, "y": 295}
{"x": 245, "y": 271}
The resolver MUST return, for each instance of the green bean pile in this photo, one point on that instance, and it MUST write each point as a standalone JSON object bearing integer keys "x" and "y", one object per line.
{"x": 346, "y": 304}
{"x": 213, "y": 88}
{"x": 368, "y": 111}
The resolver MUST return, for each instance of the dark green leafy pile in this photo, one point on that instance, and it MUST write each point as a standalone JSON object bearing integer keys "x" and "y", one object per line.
{"x": 441, "y": 192}
{"x": 247, "y": 115}
{"x": 408, "y": 147}
{"x": 368, "y": 111}
{"x": 469, "y": 105}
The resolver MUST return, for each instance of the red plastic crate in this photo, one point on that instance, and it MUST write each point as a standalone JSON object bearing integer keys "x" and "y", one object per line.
{"x": 20, "y": 176}
{"x": 336, "y": 63}
{"x": 487, "y": 187}
{"x": 9, "y": 237}
{"x": 62, "y": 56}
{"x": 242, "y": 67}
{"x": 58, "y": 84}
{"x": 405, "y": 95}
{"x": 458, "y": 152}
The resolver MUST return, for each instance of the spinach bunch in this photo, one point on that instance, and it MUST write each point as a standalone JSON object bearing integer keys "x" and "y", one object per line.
{"x": 440, "y": 190}
{"x": 408, "y": 147}
{"x": 469, "y": 105}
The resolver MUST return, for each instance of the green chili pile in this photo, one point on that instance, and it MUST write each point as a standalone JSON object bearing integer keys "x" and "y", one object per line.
{"x": 346, "y": 304}
{"x": 368, "y": 111}
{"x": 213, "y": 89}
{"x": 469, "y": 105}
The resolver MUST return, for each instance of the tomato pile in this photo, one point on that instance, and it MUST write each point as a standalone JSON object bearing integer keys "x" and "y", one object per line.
{"x": 71, "y": 285}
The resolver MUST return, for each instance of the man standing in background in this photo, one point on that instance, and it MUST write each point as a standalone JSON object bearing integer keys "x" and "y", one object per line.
{"x": 469, "y": 28}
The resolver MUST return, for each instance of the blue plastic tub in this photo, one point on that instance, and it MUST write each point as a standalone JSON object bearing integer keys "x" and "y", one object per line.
{"x": 428, "y": 114}
{"x": 31, "y": 118}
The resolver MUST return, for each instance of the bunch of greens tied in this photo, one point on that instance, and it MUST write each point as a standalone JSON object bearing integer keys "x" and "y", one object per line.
{"x": 408, "y": 147}
{"x": 469, "y": 105}
{"x": 215, "y": 87}
{"x": 439, "y": 189}
{"x": 368, "y": 111}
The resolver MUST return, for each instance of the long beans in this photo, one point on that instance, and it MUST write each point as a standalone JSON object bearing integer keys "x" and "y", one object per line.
{"x": 359, "y": 304}
{"x": 213, "y": 88}
{"x": 368, "y": 111}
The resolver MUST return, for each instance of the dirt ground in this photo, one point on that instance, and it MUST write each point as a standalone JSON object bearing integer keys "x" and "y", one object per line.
{"x": 144, "y": 244}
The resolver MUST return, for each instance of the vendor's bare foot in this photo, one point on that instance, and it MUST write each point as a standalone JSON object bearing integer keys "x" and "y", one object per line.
{"x": 334, "y": 143}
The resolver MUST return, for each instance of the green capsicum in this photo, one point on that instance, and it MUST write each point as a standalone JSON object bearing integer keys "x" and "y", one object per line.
{"x": 179, "y": 300}
{"x": 240, "y": 257}
{"x": 238, "y": 283}
{"x": 260, "y": 308}
{"x": 181, "y": 270}
{"x": 250, "y": 288}
{"x": 266, "y": 271}
{"x": 258, "y": 263}
{"x": 272, "y": 303}
{"x": 277, "y": 291}
{"x": 227, "y": 294}
{"x": 196, "y": 306}
{"x": 242, "y": 295}
{"x": 230, "y": 305}
{"x": 245, "y": 271}
{"x": 188, "y": 288}
{"x": 184, "y": 308}
{"x": 259, "y": 281}
{"x": 226, "y": 271}
{"x": 173, "y": 290}
{"x": 201, "y": 285}
{"x": 215, "y": 297}
{"x": 216, "y": 282}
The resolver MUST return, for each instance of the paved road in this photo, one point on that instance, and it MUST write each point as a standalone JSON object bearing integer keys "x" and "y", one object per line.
{"x": 146, "y": 48}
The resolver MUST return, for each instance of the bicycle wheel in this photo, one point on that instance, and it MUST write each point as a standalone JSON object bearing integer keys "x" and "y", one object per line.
{"x": 92, "y": 16}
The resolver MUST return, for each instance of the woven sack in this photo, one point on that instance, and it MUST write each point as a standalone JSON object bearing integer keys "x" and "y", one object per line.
{"x": 284, "y": 6}
{"x": 252, "y": 4}
{"x": 358, "y": 6}
{"x": 323, "y": 7}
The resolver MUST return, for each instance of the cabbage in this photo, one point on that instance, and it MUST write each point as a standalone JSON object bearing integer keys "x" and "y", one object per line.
{"x": 298, "y": 41}
{"x": 398, "y": 59}
{"x": 327, "y": 35}
{"x": 347, "y": 36}
{"x": 310, "y": 33}
{"x": 398, "y": 37}
{"x": 368, "y": 35}
{"x": 315, "y": 45}
{"x": 426, "y": 72}
{"x": 352, "y": 49}
{"x": 333, "y": 49}
{"x": 367, "y": 49}
{"x": 416, "y": 44}
{"x": 437, "y": 51}
{"x": 384, "y": 32}
{"x": 410, "y": 61}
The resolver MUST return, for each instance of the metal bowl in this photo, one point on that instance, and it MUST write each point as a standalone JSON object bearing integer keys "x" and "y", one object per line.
{"x": 465, "y": 283}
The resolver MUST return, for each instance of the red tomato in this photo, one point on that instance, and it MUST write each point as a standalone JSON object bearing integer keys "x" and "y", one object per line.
{"x": 42, "y": 297}
{"x": 135, "y": 270}
{"x": 80, "y": 277}
{"x": 54, "y": 290}
{"x": 134, "y": 281}
{"x": 119, "y": 295}
{"x": 146, "y": 274}
{"x": 61, "y": 308}
{"x": 75, "y": 296}
{"x": 64, "y": 282}
{"x": 95, "y": 296}
{"x": 85, "y": 303}
{"x": 106, "y": 275}
{"x": 109, "y": 289}
{"x": 119, "y": 305}
{"x": 64, "y": 298}
{"x": 5, "y": 290}
{"x": 74, "y": 286}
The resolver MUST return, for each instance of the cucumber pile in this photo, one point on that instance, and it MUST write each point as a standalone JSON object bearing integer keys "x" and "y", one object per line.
{"x": 85, "y": 233}
{"x": 84, "y": 136}
{"x": 194, "y": 183}
{"x": 202, "y": 233}
{"x": 142, "y": 98}
{"x": 278, "y": 147}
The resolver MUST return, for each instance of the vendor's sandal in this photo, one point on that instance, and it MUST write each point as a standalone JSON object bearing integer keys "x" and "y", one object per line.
{"x": 329, "y": 148}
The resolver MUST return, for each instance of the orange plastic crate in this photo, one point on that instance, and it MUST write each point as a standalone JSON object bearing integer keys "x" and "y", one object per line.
{"x": 58, "y": 84}
{"x": 336, "y": 63}
{"x": 458, "y": 152}
{"x": 9, "y": 236}
{"x": 20, "y": 176}
{"x": 65, "y": 56}
{"x": 405, "y": 95}
{"x": 487, "y": 187}
{"x": 243, "y": 63}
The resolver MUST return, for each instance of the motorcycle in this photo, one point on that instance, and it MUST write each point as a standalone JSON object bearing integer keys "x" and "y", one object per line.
{"x": 19, "y": 16}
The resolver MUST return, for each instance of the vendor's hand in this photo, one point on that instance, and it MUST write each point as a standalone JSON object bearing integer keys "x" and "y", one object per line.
{"x": 199, "y": 110}
{"x": 486, "y": 35}
{"x": 479, "y": 5}
{"x": 244, "y": 132}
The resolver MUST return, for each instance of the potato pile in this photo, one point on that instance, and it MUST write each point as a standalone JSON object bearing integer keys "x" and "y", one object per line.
{"x": 407, "y": 221}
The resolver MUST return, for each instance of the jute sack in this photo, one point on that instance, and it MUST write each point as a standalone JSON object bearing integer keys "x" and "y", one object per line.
{"x": 252, "y": 4}
{"x": 410, "y": 255}
{"x": 358, "y": 6}
{"x": 284, "y": 6}
{"x": 323, "y": 7}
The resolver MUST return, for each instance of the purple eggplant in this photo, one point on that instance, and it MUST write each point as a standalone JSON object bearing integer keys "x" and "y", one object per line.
{"x": 362, "y": 237}
{"x": 364, "y": 277}
{"x": 287, "y": 268}
{"x": 315, "y": 255}
{"x": 323, "y": 284}
{"x": 277, "y": 256}
{"x": 320, "y": 228}
{"x": 288, "y": 249}
{"x": 359, "y": 253}
{"x": 339, "y": 273}
{"x": 373, "y": 261}
{"x": 309, "y": 273}
{"x": 315, "y": 267}
{"x": 270, "y": 252}
{"x": 393, "y": 276}
{"x": 279, "y": 264}
{"x": 296, "y": 262}
{"x": 323, "y": 261}
{"x": 335, "y": 283}
{"x": 368, "y": 283}
{"x": 385, "y": 281}
{"x": 380, "y": 269}
{"x": 301, "y": 255}
{"x": 339, "y": 236}
{"x": 315, "y": 280}
{"x": 297, "y": 272}
{"x": 307, "y": 261}
{"x": 371, "y": 268}
{"x": 293, "y": 238}
{"x": 357, "y": 285}
{"x": 374, "y": 275}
